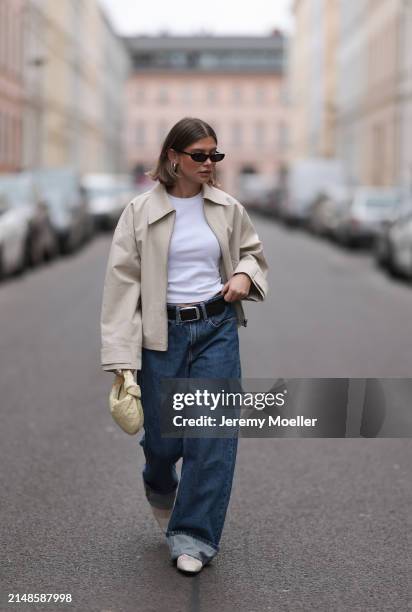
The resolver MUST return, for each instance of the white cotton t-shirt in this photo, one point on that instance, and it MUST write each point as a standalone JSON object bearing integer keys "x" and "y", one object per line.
{"x": 194, "y": 254}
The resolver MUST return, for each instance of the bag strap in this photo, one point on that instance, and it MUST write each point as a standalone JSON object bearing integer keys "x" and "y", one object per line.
{"x": 130, "y": 384}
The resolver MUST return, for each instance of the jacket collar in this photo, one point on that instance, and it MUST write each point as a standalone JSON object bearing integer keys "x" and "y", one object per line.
{"x": 160, "y": 204}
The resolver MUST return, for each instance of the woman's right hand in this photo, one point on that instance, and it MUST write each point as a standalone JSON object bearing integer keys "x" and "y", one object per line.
{"x": 123, "y": 377}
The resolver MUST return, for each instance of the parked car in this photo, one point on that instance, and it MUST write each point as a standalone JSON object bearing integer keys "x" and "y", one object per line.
{"x": 13, "y": 233}
{"x": 361, "y": 219}
{"x": 382, "y": 247}
{"x": 324, "y": 212}
{"x": 304, "y": 180}
{"x": 393, "y": 245}
{"x": 400, "y": 263}
{"x": 27, "y": 236}
{"x": 107, "y": 195}
{"x": 62, "y": 192}
{"x": 258, "y": 192}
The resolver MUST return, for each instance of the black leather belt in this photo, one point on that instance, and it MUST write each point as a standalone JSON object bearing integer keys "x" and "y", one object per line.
{"x": 195, "y": 312}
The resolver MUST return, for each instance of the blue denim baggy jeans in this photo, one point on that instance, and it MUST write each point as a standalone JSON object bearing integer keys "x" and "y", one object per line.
{"x": 196, "y": 349}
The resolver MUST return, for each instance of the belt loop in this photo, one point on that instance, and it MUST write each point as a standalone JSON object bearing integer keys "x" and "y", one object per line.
{"x": 203, "y": 307}
{"x": 178, "y": 317}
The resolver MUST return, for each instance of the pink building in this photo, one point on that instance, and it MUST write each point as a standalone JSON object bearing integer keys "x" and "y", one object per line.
{"x": 234, "y": 83}
{"x": 11, "y": 84}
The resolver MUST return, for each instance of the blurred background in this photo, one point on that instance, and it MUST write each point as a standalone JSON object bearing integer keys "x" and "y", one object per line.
{"x": 316, "y": 123}
{"x": 312, "y": 104}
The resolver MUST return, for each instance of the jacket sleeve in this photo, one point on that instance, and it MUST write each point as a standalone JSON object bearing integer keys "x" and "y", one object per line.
{"x": 121, "y": 321}
{"x": 252, "y": 260}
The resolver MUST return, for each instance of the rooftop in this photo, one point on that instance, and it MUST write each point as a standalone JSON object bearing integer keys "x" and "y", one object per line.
{"x": 208, "y": 53}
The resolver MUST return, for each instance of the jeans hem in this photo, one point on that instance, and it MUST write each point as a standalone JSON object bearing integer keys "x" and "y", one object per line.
{"x": 181, "y": 542}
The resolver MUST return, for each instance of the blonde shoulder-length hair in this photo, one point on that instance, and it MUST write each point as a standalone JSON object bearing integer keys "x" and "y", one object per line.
{"x": 184, "y": 133}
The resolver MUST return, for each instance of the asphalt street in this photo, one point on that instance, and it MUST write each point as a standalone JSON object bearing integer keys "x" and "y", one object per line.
{"x": 331, "y": 312}
{"x": 313, "y": 524}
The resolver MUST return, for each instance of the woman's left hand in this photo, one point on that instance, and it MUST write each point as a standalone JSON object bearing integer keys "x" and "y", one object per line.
{"x": 237, "y": 288}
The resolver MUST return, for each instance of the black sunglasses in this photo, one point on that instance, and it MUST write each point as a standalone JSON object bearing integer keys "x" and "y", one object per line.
{"x": 202, "y": 157}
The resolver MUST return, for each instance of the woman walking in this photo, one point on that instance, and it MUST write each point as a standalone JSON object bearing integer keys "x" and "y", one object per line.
{"x": 183, "y": 256}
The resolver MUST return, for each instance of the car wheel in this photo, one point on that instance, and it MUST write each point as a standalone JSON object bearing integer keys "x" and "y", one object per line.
{"x": 2, "y": 274}
{"x": 30, "y": 255}
{"x": 393, "y": 268}
{"x": 24, "y": 261}
{"x": 52, "y": 250}
{"x": 394, "y": 272}
{"x": 33, "y": 255}
{"x": 380, "y": 255}
{"x": 65, "y": 244}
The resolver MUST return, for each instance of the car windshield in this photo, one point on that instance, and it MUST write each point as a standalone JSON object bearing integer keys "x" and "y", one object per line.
{"x": 57, "y": 188}
{"x": 96, "y": 191}
{"x": 382, "y": 201}
{"x": 56, "y": 184}
{"x": 14, "y": 191}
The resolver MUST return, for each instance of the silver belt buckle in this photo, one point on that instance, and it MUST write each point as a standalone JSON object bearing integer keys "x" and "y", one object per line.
{"x": 190, "y": 308}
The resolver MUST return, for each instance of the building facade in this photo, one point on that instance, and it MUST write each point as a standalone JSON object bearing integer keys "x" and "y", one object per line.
{"x": 374, "y": 61}
{"x": 75, "y": 73}
{"x": 405, "y": 97}
{"x": 351, "y": 87}
{"x": 115, "y": 68}
{"x": 312, "y": 78}
{"x": 11, "y": 84}
{"x": 234, "y": 83}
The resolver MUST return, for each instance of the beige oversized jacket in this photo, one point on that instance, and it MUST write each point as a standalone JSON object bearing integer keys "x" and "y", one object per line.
{"x": 134, "y": 313}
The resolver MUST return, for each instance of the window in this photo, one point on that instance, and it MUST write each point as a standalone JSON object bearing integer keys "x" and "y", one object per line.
{"x": 163, "y": 95}
{"x": 260, "y": 94}
{"x": 140, "y": 133}
{"x": 161, "y": 130}
{"x": 283, "y": 94}
{"x": 237, "y": 135}
{"x": 140, "y": 95}
{"x": 378, "y": 154}
{"x": 12, "y": 143}
{"x": 248, "y": 169}
{"x": 237, "y": 94}
{"x": 215, "y": 125}
{"x": 6, "y": 138}
{"x": 187, "y": 94}
{"x": 259, "y": 133}
{"x": 283, "y": 136}
{"x": 1, "y": 137}
{"x": 211, "y": 95}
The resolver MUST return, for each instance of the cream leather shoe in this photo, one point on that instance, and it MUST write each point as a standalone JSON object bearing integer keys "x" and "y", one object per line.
{"x": 187, "y": 563}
